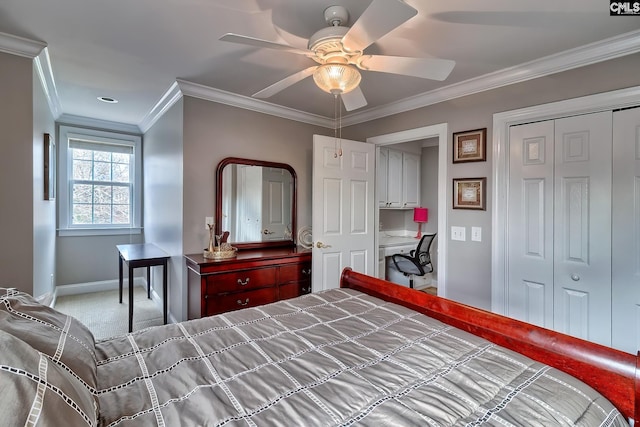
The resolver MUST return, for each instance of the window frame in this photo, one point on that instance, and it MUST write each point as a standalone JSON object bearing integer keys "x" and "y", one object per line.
{"x": 65, "y": 208}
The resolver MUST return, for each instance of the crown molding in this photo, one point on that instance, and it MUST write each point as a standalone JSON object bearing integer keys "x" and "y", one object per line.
{"x": 20, "y": 46}
{"x": 615, "y": 47}
{"x": 44, "y": 71}
{"x": 168, "y": 99}
{"x": 247, "y": 103}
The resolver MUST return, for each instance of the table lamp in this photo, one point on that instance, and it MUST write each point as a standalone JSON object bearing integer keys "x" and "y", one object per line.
{"x": 420, "y": 215}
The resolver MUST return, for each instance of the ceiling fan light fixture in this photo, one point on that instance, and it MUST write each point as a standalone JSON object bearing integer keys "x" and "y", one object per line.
{"x": 337, "y": 78}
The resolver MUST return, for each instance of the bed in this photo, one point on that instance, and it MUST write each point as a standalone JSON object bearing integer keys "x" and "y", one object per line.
{"x": 367, "y": 353}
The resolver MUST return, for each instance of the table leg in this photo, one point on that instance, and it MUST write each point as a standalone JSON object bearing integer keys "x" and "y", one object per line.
{"x": 148, "y": 282}
{"x": 164, "y": 291}
{"x": 130, "y": 299}
{"x": 120, "y": 277}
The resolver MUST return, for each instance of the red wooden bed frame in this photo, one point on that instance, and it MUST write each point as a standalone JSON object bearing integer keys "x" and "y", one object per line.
{"x": 613, "y": 373}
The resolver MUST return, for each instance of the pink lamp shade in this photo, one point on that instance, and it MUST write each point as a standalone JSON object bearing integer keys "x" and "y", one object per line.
{"x": 420, "y": 215}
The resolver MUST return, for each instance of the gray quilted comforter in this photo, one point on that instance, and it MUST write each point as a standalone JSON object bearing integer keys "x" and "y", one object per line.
{"x": 338, "y": 357}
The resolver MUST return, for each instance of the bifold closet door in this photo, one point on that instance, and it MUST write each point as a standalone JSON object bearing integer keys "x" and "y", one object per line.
{"x": 582, "y": 226}
{"x": 626, "y": 231}
{"x": 559, "y": 225}
{"x": 530, "y": 242}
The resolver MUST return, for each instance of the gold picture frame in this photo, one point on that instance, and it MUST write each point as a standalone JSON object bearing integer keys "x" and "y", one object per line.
{"x": 470, "y": 146}
{"x": 469, "y": 193}
{"x": 49, "y": 167}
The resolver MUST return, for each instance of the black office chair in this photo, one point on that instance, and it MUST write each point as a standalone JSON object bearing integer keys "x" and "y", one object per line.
{"x": 418, "y": 262}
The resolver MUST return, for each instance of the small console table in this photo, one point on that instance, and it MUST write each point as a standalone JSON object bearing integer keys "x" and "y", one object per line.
{"x": 143, "y": 255}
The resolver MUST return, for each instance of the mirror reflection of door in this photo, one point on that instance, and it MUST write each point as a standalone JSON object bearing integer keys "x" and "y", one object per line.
{"x": 276, "y": 210}
{"x": 256, "y": 203}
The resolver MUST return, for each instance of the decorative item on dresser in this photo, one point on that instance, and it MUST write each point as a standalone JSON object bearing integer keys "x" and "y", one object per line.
{"x": 254, "y": 277}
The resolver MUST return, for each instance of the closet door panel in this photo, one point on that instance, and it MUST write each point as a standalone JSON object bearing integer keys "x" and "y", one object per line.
{"x": 530, "y": 240}
{"x": 582, "y": 222}
{"x": 626, "y": 231}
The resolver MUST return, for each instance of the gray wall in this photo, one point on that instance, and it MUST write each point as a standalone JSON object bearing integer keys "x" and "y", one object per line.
{"x": 469, "y": 263}
{"x": 16, "y": 172}
{"x": 44, "y": 211}
{"x": 163, "y": 167}
{"x": 214, "y": 131}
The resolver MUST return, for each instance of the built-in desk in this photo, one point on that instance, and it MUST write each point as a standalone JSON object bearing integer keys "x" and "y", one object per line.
{"x": 389, "y": 244}
{"x": 254, "y": 277}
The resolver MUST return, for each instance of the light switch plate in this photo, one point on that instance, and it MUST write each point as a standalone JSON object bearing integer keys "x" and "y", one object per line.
{"x": 458, "y": 233}
{"x": 476, "y": 234}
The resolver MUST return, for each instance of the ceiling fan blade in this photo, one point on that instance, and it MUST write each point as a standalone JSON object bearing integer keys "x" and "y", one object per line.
{"x": 426, "y": 68}
{"x": 354, "y": 99}
{"x": 284, "y": 83}
{"x": 378, "y": 19}
{"x": 252, "y": 41}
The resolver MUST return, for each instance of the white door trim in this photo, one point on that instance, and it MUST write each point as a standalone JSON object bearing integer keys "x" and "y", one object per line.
{"x": 441, "y": 132}
{"x": 622, "y": 98}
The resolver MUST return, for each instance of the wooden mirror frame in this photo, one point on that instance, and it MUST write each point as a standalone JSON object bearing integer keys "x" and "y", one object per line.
{"x": 294, "y": 208}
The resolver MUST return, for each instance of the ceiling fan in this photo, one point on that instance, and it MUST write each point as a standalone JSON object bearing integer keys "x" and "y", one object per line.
{"x": 339, "y": 52}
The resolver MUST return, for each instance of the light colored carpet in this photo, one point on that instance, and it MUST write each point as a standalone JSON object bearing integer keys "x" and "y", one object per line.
{"x": 105, "y": 316}
{"x": 430, "y": 290}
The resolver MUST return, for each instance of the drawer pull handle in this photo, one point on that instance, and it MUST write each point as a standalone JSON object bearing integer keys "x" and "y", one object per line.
{"x": 306, "y": 290}
{"x": 243, "y": 283}
{"x": 243, "y": 303}
{"x": 306, "y": 271}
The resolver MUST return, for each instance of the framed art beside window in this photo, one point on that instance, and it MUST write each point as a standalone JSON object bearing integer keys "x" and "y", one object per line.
{"x": 469, "y": 193}
{"x": 470, "y": 146}
{"x": 49, "y": 167}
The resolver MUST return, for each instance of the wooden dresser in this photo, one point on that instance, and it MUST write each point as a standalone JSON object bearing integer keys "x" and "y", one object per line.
{"x": 254, "y": 277}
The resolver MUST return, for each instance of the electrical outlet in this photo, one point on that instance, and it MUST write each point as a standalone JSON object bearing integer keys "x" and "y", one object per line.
{"x": 208, "y": 220}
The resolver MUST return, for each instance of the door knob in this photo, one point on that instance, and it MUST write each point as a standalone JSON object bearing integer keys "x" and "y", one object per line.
{"x": 266, "y": 231}
{"x": 575, "y": 277}
{"x": 321, "y": 245}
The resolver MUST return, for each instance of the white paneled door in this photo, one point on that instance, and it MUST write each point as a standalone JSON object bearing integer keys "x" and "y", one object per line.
{"x": 530, "y": 241}
{"x": 343, "y": 207}
{"x": 559, "y": 225}
{"x": 582, "y": 226}
{"x": 626, "y": 230}
{"x": 276, "y": 204}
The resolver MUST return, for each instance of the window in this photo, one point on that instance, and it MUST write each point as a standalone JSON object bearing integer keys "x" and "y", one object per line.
{"x": 100, "y": 182}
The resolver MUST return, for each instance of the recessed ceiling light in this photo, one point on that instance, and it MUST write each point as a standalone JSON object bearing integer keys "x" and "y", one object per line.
{"x": 108, "y": 99}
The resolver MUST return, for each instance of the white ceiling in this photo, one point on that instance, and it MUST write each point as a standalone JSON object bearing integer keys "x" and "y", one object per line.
{"x": 135, "y": 51}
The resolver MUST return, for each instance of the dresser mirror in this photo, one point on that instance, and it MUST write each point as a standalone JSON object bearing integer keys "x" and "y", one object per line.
{"x": 256, "y": 203}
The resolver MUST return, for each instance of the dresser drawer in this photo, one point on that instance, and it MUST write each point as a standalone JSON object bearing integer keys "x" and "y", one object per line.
{"x": 294, "y": 289}
{"x": 241, "y": 280}
{"x": 295, "y": 272}
{"x": 216, "y": 304}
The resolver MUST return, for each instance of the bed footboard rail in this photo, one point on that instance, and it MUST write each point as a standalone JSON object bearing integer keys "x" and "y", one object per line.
{"x": 613, "y": 373}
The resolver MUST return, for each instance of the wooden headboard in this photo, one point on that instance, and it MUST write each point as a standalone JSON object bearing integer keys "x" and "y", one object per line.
{"x": 613, "y": 373}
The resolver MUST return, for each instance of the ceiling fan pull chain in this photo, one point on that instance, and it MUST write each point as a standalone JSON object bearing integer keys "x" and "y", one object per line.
{"x": 335, "y": 125}
{"x": 340, "y": 127}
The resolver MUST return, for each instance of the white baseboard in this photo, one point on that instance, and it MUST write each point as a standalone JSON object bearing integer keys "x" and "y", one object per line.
{"x": 105, "y": 285}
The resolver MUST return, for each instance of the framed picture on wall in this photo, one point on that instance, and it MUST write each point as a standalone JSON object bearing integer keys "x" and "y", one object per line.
{"x": 49, "y": 167}
{"x": 469, "y": 193}
{"x": 470, "y": 146}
